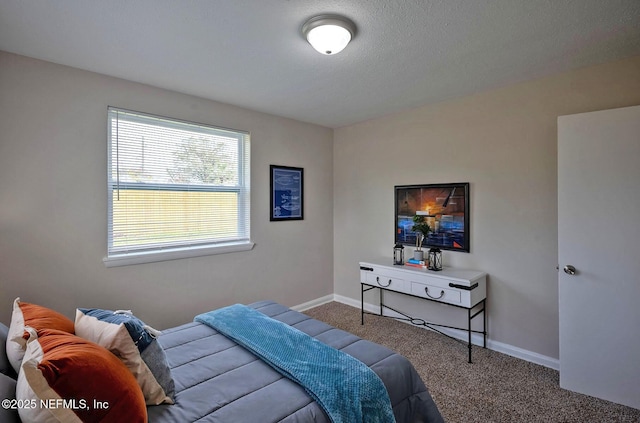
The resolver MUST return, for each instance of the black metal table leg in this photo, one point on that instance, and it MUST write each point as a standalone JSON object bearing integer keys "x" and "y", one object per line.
{"x": 484, "y": 322}
{"x": 469, "y": 345}
{"x": 361, "y": 304}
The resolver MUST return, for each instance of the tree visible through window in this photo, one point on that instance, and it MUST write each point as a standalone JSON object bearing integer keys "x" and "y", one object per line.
{"x": 175, "y": 184}
{"x": 199, "y": 161}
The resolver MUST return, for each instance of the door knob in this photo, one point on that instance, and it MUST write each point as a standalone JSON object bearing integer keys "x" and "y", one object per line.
{"x": 569, "y": 270}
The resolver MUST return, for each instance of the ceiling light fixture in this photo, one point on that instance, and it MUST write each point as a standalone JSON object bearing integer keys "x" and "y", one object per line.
{"x": 329, "y": 34}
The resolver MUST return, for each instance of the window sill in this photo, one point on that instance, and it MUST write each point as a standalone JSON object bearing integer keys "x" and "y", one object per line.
{"x": 175, "y": 254}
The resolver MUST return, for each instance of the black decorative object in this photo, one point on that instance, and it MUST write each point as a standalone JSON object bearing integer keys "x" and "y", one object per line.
{"x": 435, "y": 259}
{"x": 398, "y": 254}
{"x": 444, "y": 207}
{"x": 287, "y": 186}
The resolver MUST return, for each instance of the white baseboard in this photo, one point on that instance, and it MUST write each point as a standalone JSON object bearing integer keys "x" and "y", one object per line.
{"x": 355, "y": 303}
{"x": 314, "y": 303}
{"x": 533, "y": 357}
{"x": 476, "y": 339}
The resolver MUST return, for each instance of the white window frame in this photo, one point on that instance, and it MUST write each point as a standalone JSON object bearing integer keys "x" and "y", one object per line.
{"x": 123, "y": 257}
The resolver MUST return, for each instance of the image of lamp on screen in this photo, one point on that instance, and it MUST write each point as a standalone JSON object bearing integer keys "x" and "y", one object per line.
{"x": 446, "y": 200}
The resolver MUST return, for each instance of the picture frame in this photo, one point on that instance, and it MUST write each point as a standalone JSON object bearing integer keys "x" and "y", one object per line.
{"x": 287, "y": 193}
{"x": 445, "y": 208}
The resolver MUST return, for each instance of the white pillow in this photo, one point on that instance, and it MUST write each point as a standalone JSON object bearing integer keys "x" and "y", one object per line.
{"x": 134, "y": 343}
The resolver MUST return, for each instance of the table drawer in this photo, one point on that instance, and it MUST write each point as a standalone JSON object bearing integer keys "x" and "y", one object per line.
{"x": 386, "y": 282}
{"x": 436, "y": 293}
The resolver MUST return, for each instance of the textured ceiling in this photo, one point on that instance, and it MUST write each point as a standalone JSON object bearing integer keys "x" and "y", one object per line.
{"x": 250, "y": 53}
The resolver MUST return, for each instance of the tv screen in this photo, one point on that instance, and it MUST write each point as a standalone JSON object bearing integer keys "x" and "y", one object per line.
{"x": 445, "y": 208}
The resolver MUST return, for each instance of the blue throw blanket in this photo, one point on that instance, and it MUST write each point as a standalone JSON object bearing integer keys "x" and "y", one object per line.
{"x": 345, "y": 388}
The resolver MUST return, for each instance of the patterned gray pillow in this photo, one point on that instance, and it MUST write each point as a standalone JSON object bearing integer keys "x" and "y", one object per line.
{"x": 135, "y": 344}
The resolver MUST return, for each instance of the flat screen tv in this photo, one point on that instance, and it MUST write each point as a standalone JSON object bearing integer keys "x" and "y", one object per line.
{"x": 445, "y": 208}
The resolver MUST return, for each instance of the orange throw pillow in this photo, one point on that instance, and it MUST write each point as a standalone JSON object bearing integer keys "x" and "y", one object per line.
{"x": 37, "y": 317}
{"x": 77, "y": 380}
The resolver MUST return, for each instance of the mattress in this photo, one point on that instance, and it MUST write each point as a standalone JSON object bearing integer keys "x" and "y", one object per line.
{"x": 217, "y": 380}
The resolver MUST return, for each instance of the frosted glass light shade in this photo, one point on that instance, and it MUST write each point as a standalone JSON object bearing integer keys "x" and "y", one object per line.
{"x": 329, "y": 34}
{"x": 329, "y": 39}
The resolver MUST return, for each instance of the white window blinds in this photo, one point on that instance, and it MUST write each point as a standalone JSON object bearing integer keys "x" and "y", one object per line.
{"x": 174, "y": 184}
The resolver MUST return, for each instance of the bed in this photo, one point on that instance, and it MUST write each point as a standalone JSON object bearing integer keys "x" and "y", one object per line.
{"x": 217, "y": 380}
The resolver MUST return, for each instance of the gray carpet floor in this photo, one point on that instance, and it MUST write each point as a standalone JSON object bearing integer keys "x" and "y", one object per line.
{"x": 494, "y": 388}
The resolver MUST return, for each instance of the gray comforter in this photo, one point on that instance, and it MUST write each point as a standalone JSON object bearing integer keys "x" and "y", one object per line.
{"x": 219, "y": 381}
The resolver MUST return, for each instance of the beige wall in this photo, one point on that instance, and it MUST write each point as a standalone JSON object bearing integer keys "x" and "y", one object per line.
{"x": 504, "y": 143}
{"x": 53, "y": 196}
{"x": 53, "y": 202}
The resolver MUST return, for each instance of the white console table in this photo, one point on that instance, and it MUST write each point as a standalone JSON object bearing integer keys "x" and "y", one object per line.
{"x": 465, "y": 289}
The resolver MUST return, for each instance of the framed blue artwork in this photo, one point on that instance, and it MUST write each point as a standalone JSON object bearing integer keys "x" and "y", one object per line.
{"x": 286, "y": 186}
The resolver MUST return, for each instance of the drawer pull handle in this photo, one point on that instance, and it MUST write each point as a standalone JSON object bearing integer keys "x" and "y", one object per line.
{"x": 426, "y": 291}
{"x": 378, "y": 280}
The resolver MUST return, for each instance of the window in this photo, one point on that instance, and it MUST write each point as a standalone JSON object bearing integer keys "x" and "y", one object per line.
{"x": 176, "y": 189}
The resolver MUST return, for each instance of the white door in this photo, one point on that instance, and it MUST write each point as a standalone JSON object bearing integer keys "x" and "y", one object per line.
{"x": 599, "y": 235}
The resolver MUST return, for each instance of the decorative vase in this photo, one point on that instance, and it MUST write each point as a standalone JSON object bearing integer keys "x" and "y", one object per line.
{"x": 418, "y": 254}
